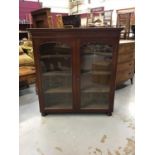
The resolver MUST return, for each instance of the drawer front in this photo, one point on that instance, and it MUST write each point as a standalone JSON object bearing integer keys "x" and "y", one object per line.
{"x": 125, "y": 57}
{"x": 126, "y": 48}
{"x": 123, "y": 76}
{"x": 125, "y": 66}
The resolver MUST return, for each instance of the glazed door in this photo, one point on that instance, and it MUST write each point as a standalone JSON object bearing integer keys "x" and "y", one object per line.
{"x": 95, "y": 75}
{"x": 56, "y": 75}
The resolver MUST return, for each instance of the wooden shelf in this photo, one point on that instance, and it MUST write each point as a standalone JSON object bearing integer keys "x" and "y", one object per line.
{"x": 97, "y": 53}
{"x": 59, "y": 106}
{"x": 92, "y": 89}
{"x": 87, "y": 89}
{"x": 58, "y": 73}
{"x": 59, "y": 90}
{"x": 54, "y": 56}
{"x": 97, "y": 73}
{"x": 95, "y": 106}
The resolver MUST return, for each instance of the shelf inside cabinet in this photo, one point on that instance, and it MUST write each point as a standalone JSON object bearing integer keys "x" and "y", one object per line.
{"x": 95, "y": 105}
{"x": 97, "y": 73}
{"x": 59, "y": 90}
{"x": 97, "y": 53}
{"x": 95, "y": 89}
{"x": 58, "y": 73}
{"x": 60, "y": 105}
{"x": 57, "y": 101}
{"x": 54, "y": 56}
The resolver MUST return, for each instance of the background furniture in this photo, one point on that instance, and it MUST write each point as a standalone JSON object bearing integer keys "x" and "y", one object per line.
{"x": 95, "y": 17}
{"x": 107, "y": 18}
{"x": 126, "y": 61}
{"x": 26, "y": 76}
{"x": 26, "y": 64}
{"x": 125, "y": 19}
{"x": 23, "y": 33}
{"x": 42, "y": 18}
{"x": 76, "y": 69}
{"x": 25, "y": 21}
{"x": 72, "y": 20}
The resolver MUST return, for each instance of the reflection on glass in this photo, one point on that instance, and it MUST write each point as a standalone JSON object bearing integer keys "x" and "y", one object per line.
{"x": 56, "y": 69}
{"x": 96, "y": 62}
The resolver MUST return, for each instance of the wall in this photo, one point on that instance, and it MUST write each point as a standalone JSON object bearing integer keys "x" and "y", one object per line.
{"x": 57, "y": 7}
{"x": 61, "y": 6}
{"x": 25, "y": 8}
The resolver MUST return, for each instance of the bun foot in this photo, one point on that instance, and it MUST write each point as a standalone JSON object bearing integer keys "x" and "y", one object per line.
{"x": 43, "y": 114}
{"x": 109, "y": 113}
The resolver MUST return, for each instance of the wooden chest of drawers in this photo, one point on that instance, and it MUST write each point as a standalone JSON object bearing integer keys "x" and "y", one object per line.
{"x": 126, "y": 61}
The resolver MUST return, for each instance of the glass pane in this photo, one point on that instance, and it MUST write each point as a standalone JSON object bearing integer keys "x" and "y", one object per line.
{"x": 55, "y": 59}
{"x": 96, "y": 62}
